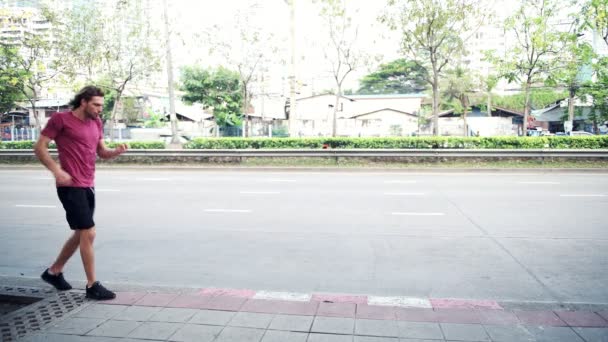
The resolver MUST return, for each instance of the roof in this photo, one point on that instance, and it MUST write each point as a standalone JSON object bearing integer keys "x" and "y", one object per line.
{"x": 557, "y": 113}
{"x": 370, "y": 97}
{"x": 387, "y": 96}
{"x": 320, "y": 95}
{"x": 382, "y": 110}
{"x": 509, "y": 111}
{"x": 445, "y": 113}
{"x": 49, "y": 103}
{"x": 194, "y": 112}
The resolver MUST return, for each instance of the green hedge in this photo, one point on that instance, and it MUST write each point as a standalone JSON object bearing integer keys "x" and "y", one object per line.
{"x": 28, "y": 145}
{"x": 579, "y": 142}
{"x": 17, "y": 145}
{"x": 140, "y": 145}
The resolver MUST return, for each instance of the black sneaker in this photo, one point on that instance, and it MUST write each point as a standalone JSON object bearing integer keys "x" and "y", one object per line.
{"x": 98, "y": 292}
{"x": 56, "y": 280}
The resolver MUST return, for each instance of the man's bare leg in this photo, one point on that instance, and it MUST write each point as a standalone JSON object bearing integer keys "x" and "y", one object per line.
{"x": 94, "y": 288}
{"x": 87, "y": 237}
{"x": 69, "y": 248}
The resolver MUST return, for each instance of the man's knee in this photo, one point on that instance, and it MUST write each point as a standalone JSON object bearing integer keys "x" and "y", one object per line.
{"x": 87, "y": 235}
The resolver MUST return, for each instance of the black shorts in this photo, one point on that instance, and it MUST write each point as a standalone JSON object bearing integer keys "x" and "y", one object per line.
{"x": 79, "y": 205}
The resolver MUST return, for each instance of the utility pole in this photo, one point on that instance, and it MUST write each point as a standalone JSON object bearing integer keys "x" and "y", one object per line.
{"x": 174, "y": 138}
{"x": 292, "y": 67}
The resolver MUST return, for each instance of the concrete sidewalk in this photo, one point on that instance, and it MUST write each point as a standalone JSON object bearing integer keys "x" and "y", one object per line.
{"x": 223, "y": 315}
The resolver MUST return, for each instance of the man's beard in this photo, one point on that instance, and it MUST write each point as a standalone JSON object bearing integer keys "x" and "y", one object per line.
{"x": 91, "y": 115}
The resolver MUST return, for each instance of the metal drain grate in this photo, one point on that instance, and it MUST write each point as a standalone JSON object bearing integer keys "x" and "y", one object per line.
{"x": 27, "y": 291}
{"x": 32, "y": 318}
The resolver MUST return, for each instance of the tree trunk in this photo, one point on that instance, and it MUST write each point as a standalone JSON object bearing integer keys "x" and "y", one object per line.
{"x": 572, "y": 93}
{"x": 36, "y": 115}
{"x": 436, "y": 106}
{"x": 113, "y": 115}
{"x": 464, "y": 119}
{"x": 489, "y": 111}
{"x": 245, "y": 116}
{"x": 526, "y": 107}
{"x": 335, "y": 117}
{"x": 292, "y": 68}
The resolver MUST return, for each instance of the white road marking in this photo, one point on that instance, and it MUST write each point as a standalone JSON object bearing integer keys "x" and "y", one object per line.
{"x": 107, "y": 190}
{"x": 227, "y": 211}
{"x": 280, "y": 180}
{"x": 290, "y": 296}
{"x": 583, "y": 195}
{"x": 154, "y": 179}
{"x": 34, "y": 206}
{"x": 406, "y": 302}
{"x": 417, "y": 214}
{"x": 538, "y": 183}
{"x": 401, "y": 182}
{"x": 260, "y": 192}
{"x": 404, "y": 193}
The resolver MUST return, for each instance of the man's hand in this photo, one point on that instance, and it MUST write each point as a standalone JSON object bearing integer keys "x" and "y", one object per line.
{"x": 120, "y": 149}
{"x": 62, "y": 178}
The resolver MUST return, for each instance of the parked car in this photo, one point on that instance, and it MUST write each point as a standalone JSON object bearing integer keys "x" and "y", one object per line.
{"x": 580, "y": 133}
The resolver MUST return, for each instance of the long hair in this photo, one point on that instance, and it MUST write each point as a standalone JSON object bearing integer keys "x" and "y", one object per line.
{"x": 86, "y": 94}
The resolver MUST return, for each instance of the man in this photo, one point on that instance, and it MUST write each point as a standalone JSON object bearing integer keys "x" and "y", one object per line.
{"x": 78, "y": 135}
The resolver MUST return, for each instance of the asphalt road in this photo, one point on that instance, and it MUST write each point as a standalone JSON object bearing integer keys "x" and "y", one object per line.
{"x": 477, "y": 235}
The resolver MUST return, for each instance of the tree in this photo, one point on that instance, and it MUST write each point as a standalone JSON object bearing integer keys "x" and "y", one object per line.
{"x": 127, "y": 49}
{"x": 598, "y": 91}
{"x": 216, "y": 89}
{"x": 595, "y": 16}
{"x": 538, "y": 98}
{"x": 12, "y": 77}
{"x": 458, "y": 85}
{"x": 82, "y": 41}
{"x": 433, "y": 34}
{"x": 249, "y": 56}
{"x": 341, "y": 53}
{"x": 397, "y": 77}
{"x": 573, "y": 65}
{"x": 538, "y": 46}
{"x": 488, "y": 83}
{"x": 36, "y": 62}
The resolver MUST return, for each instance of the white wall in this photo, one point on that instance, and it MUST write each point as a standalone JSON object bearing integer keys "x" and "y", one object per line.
{"x": 492, "y": 126}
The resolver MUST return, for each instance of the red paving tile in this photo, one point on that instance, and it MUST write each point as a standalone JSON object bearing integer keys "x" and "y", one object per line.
{"x": 497, "y": 317}
{"x": 189, "y": 301}
{"x": 224, "y": 303}
{"x": 375, "y": 312}
{"x": 416, "y": 315}
{"x": 582, "y": 319}
{"x": 126, "y": 298}
{"x": 262, "y": 306}
{"x": 446, "y": 303}
{"x": 337, "y": 309}
{"x": 298, "y": 308}
{"x": 156, "y": 299}
{"x": 546, "y": 318}
{"x": 465, "y": 316}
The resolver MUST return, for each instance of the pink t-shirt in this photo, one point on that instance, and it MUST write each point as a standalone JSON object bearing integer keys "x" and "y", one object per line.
{"x": 77, "y": 142}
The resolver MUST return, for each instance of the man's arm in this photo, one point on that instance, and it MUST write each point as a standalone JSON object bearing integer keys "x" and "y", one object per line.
{"x": 42, "y": 152}
{"x": 108, "y": 153}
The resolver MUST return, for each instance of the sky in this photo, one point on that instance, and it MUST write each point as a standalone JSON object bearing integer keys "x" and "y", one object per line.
{"x": 197, "y": 24}
{"x": 196, "y": 17}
